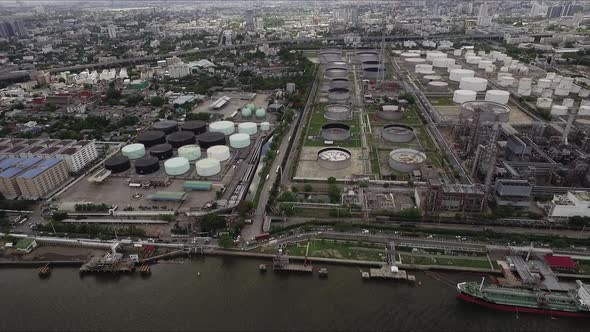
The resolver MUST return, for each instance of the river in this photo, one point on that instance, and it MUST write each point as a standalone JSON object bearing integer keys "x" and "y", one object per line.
{"x": 230, "y": 294}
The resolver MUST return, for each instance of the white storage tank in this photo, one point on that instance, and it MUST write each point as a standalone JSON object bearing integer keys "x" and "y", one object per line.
{"x": 506, "y": 81}
{"x": 457, "y": 52}
{"x": 457, "y": 74}
{"x": 474, "y": 60}
{"x": 406, "y": 160}
{"x": 423, "y": 68}
{"x": 430, "y": 56}
{"x": 176, "y": 166}
{"x": 133, "y": 151}
{"x": 406, "y": 55}
{"x": 265, "y": 126}
{"x": 576, "y": 89}
{"x": 190, "y": 152}
{"x": 584, "y": 93}
{"x": 219, "y": 152}
{"x": 483, "y": 64}
{"x": 498, "y": 96}
{"x": 260, "y": 113}
{"x": 208, "y": 167}
{"x": 249, "y": 128}
{"x": 224, "y": 127}
{"x": 412, "y": 62}
{"x": 462, "y": 96}
{"x": 584, "y": 110}
{"x": 547, "y": 93}
{"x": 558, "y": 110}
{"x": 473, "y": 83}
{"x": 238, "y": 141}
{"x": 544, "y": 83}
{"x": 437, "y": 86}
{"x": 246, "y": 112}
{"x": 440, "y": 62}
{"x": 568, "y": 102}
{"x": 450, "y": 62}
{"x": 562, "y": 92}
{"x": 544, "y": 103}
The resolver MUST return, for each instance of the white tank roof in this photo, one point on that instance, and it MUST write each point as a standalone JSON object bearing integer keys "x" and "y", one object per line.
{"x": 225, "y": 127}
{"x": 133, "y": 151}
{"x": 265, "y": 126}
{"x": 190, "y": 152}
{"x": 249, "y": 128}
{"x": 219, "y": 152}
{"x": 208, "y": 167}
{"x": 462, "y": 96}
{"x": 176, "y": 166}
{"x": 457, "y": 74}
{"x": 473, "y": 83}
{"x": 238, "y": 141}
{"x": 498, "y": 96}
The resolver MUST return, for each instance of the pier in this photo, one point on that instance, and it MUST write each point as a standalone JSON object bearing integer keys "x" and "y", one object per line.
{"x": 113, "y": 263}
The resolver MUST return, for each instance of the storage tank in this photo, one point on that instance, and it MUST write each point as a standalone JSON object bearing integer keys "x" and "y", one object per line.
{"x": 462, "y": 96}
{"x": 584, "y": 110}
{"x": 407, "y": 55}
{"x": 562, "y": 92}
{"x": 224, "y": 127}
{"x": 342, "y": 83}
{"x": 238, "y": 141}
{"x": 498, "y": 96}
{"x": 432, "y": 78}
{"x": 457, "y": 74}
{"x": 133, "y": 151}
{"x": 147, "y": 165}
{"x": 457, "y": 52}
{"x": 367, "y": 55}
{"x": 161, "y": 151}
{"x": 411, "y": 63}
{"x": 260, "y": 113}
{"x": 208, "y": 167}
{"x": 336, "y": 72}
{"x": 251, "y": 107}
{"x": 181, "y": 138}
{"x": 373, "y": 72}
{"x": 568, "y": 102}
{"x": 544, "y": 83}
{"x": 335, "y": 131}
{"x": 506, "y": 81}
{"x": 338, "y": 112}
{"x": 544, "y": 103}
{"x": 431, "y": 56}
{"x": 558, "y": 110}
{"x": 265, "y": 126}
{"x": 151, "y": 137}
{"x": 334, "y": 158}
{"x": 423, "y": 68}
{"x": 406, "y": 160}
{"x": 486, "y": 111}
{"x": 249, "y": 128}
{"x": 117, "y": 164}
{"x": 473, "y": 83}
{"x": 167, "y": 126}
{"x": 547, "y": 93}
{"x": 440, "y": 63}
{"x": 437, "y": 86}
{"x": 584, "y": 93}
{"x": 209, "y": 139}
{"x": 219, "y": 152}
{"x": 246, "y": 112}
{"x": 338, "y": 95}
{"x": 474, "y": 60}
{"x": 483, "y": 64}
{"x": 190, "y": 152}
{"x": 176, "y": 166}
{"x": 397, "y": 133}
{"x": 196, "y": 127}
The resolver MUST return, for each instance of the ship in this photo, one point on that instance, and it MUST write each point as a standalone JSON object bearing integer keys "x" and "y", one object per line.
{"x": 571, "y": 303}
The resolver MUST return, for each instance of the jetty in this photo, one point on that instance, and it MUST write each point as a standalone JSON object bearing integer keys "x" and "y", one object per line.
{"x": 111, "y": 262}
{"x": 281, "y": 263}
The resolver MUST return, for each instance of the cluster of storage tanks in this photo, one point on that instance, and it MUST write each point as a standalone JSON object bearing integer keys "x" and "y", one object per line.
{"x": 188, "y": 139}
{"x": 251, "y": 110}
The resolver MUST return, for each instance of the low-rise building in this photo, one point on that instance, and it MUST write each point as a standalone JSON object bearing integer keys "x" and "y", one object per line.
{"x": 455, "y": 197}
{"x": 42, "y": 178}
{"x": 574, "y": 203}
{"x": 512, "y": 192}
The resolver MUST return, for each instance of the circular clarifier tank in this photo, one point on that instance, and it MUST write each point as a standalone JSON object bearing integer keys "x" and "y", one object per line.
{"x": 167, "y": 126}
{"x": 151, "y": 137}
{"x": 133, "y": 151}
{"x": 117, "y": 164}
{"x": 486, "y": 111}
{"x": 397, "y": 133}
{"x": 336, "y": 72}
{"x": 335, "y": 131}
{"x": 334, "y": 158}
{"x": 190, "y": 152}
{"x": 249, "y": 128}
{"x": 208, "y": 167}
{"x": 176, "y": 166}
{"x": 406, "y": 160}
{"x": 224, "y": 127}
{"x": 342, "y": 83}
{"x": 209, "y": 139}
{"x": 239, "y": 141}
{"x": 219, "y": 152}
{"x": 147, "y": 165}
{"x": 338, "y": 94}
{"x": 338, "y": 112}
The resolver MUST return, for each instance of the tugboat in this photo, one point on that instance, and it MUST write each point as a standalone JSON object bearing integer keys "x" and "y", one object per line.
{"x": 44, "y": 271}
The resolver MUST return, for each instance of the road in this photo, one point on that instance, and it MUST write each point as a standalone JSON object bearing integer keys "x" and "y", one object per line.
{"x": 254, "y": 229}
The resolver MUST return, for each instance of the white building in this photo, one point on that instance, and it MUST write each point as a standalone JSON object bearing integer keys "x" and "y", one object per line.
{"x": 483, "y": 19}
{"x": 78, "y": 155}
{"x": 179, "y": 70}
{"x": 290, "y": 88}
{"x": 112, "y": 30}
{"x": 574, "y": 203}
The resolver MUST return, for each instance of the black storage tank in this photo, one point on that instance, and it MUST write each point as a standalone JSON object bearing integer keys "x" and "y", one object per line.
{"x": 209, "y": 139}
{"x": 181, "y": 138}
{"x": 147, "y": 165}
{"x": 167, "y": 126}
{"x": 117, "y": 164}
{"x": 161, "y": 151}
{"x": 151, "y": 137}
{"x": 196, "y": 126}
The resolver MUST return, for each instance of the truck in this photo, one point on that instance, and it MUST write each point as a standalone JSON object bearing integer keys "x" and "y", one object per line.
{"x": 261, "y": 237}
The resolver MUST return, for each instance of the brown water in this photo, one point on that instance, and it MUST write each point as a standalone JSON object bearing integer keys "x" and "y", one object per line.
{"x": 231, "y": 294}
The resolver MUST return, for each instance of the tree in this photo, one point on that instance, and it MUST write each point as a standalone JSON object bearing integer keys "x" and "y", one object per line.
{"x": 59, "y": 216}
{"x": 308, "y": 188}
{"x": 225, "y": 241}
{"x": 331, "y": 180}
{"x": 334, "y": 194}
{"x": 157, "y": 101}
{"x": 211, "y": 223}
{"x": 244, "y": 208}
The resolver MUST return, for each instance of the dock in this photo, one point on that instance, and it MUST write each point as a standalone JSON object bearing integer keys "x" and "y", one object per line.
{"x": 386, "y": 272}
{"x": 113, "y": 263}
{"x": 281, "y": 263}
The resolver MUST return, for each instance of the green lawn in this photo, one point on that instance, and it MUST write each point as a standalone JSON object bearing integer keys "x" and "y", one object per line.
{"x": 441, "y": 101}
{"x": 445, "y": 260}
{"x": 318, "y": 120}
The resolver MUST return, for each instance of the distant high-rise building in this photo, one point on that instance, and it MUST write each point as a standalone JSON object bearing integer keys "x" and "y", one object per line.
{"x": 6, "y": 30}
{"x": 249, "y": 20}
{"x": 11, "y": 29}
{"x": 112, "y": 30}
{"x": 538, "y": 10}
{"x": 483, "y": 18}
{"x": 469, "y": 8}
{"x": 570, "y": 9}
{"x": 555, "y": 11}
{"x": 20, "y": 29}
{"x": 259, "y": 23}
{"x": 354, "y": 16}
{"x": 578, "y": 18}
